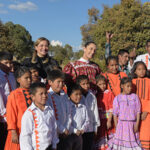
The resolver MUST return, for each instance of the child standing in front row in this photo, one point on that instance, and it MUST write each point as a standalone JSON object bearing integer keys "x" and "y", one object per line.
{"x": 58, "y": 100}
{"x": 18, "y": 101}
{"x": 90, "y": 101}
{"x": 38, "y": 125}
{"x": 126, "y": 111}
{"x": 79, "y": 117}
{"x": 141, "y": 83}
{"x": 105, "y": 106}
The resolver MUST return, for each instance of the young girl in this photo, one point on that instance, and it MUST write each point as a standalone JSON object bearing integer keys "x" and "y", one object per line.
{"x": 141, "y": 84}
{"x": 105, "y": 104}
{"x": 18, "y": 101}
{"x": 113, "y": 75}
{"x": 126, "y": 111}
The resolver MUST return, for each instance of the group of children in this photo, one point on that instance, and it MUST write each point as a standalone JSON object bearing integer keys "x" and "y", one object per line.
{"x": 45, "y": 117}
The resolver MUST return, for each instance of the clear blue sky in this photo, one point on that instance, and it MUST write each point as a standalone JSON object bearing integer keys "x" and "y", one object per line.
{"x": 54, "y": 19}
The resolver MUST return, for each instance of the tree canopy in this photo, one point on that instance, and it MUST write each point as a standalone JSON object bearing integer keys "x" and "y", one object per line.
{"x": 15, "y": 39}
{"x": 129, "y": 21}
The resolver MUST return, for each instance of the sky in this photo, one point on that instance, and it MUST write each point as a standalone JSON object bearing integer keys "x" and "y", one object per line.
{"x": 57, "y": 20}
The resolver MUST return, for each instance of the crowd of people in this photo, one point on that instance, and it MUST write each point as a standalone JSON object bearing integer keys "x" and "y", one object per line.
{"x": 45, "y": 107}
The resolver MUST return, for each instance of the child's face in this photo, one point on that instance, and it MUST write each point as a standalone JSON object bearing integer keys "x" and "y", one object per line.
{"x": 127, "y": 88}
{"x": 7, "y": 64}
{"x": 113, "y": 66}
{"x": 40, "y": 97}
{"x": 76, "y": 96}
{"x": 42, "y": 48}
{"x": 85, "y": 85}
{"x": 35, "y": 75}
{"x": 89, "y": 51}
{"x": 140, "y": 71}
{"x": 57, "y": 84}
{"x": 102, "y": 85}
{"x": 25, "y": 80}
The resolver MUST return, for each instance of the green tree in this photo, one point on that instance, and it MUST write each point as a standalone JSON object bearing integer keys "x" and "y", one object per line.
{"x": 62, "y": 54}
{"x": 130, "y": 23}
{"x": 15, "y": 39}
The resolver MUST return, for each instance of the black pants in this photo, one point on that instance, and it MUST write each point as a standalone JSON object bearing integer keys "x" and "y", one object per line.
{"x": 88, "y": 140}
{"x": 71, "y": 142}
{"x": 3, "y": 135}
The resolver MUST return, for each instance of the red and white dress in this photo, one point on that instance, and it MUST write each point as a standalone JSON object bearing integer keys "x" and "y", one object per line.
{"x": 82, "y": 67}
{"x": 105, "y": 106}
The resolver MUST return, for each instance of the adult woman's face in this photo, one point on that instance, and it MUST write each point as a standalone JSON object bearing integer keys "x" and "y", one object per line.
{"x": 89, "y": 51}
{"x": 42, "y": 48}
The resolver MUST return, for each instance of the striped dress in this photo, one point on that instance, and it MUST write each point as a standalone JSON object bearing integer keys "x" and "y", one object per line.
{"x": 142, "y": 89}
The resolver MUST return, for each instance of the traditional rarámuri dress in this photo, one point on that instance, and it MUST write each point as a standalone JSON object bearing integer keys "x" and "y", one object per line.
{"x": 126, "y": 107}
{"x": 82, "y": 67}
{"x": 105, "y": 106}
{"x": 17, "y": 103}
{"x": 113, "y": 81}
{"x": 142, "y": 89}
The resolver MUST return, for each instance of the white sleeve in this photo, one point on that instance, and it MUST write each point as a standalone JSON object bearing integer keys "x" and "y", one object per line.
{"x": 96, "y": 115}
{"x": 138, "y": 58}
{"x": 26, "y": 131}
{"x": 2, "y": 106}
{"x": 55, "y": 139}
{"x": 86, "y": 122}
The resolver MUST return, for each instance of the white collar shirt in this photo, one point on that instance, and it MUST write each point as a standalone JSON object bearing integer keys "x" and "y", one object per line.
{"x": 38, "y": 129}
{"x": 4, "y": 92}
{"x": 60, "y": 105}
{"x": 83, "y": 60}
{"x": 145, "y": 58}
{"x": 90, "y": 102}
{"x": 80, "y": 119}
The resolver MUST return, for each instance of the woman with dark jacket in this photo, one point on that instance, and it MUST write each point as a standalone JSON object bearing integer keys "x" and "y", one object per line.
{"x": 40, "y": 58}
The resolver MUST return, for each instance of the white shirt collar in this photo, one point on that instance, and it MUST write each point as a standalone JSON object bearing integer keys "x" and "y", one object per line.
{"x": 74, "y": 105}
{"x": 83, "y": 60}
{"x": 52, "y": 92}
{"x": 33, "y": 106}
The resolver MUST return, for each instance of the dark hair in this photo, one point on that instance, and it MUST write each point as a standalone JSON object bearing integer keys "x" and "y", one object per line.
{"x": 72, "y": 88}
{"x": 20, "y": 72}
{"x": 80, "y": 78}
{"x": 6, "y": 56}
{"x": 125, "y": 80}
{"x": 123, "y": 51}
{"x": 34, "y": 67}
{"x": 16, "y": 65}
{"x": 133, "y": 74}
{"x": 55, "y": 74}
{"x": 88, "y": 43}
{"x": 100, "y": 77}
{"x": 148, "y": 41}
{"x": 35, "y": 86}
{"x": 111, "y": 58}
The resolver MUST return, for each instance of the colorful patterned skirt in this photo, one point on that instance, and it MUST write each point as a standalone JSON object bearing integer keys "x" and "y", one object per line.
{"x": 125, "y": 138}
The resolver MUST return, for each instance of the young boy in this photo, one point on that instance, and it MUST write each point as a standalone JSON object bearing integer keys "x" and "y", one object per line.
{"x": 90, "y": 101}
{"x": 80, "y": 119}
{"x": 38, "y": 125}
{"x": 58, "y": 100}
{"x": 7, "y": 84}
{"x": 34, "y": 74}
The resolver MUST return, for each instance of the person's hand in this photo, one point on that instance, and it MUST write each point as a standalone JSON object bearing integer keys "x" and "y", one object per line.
{"x": 66, "y": 132}
{"x": 78, "y": 132}
{"x": 108, "y": 124}
{"x": 81, "y": 131}
{"x": 14, "y": 137}
{"x": 109, "y": 36}
{"x": 136, "y": 127}
{"x": 144, "y": 115}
